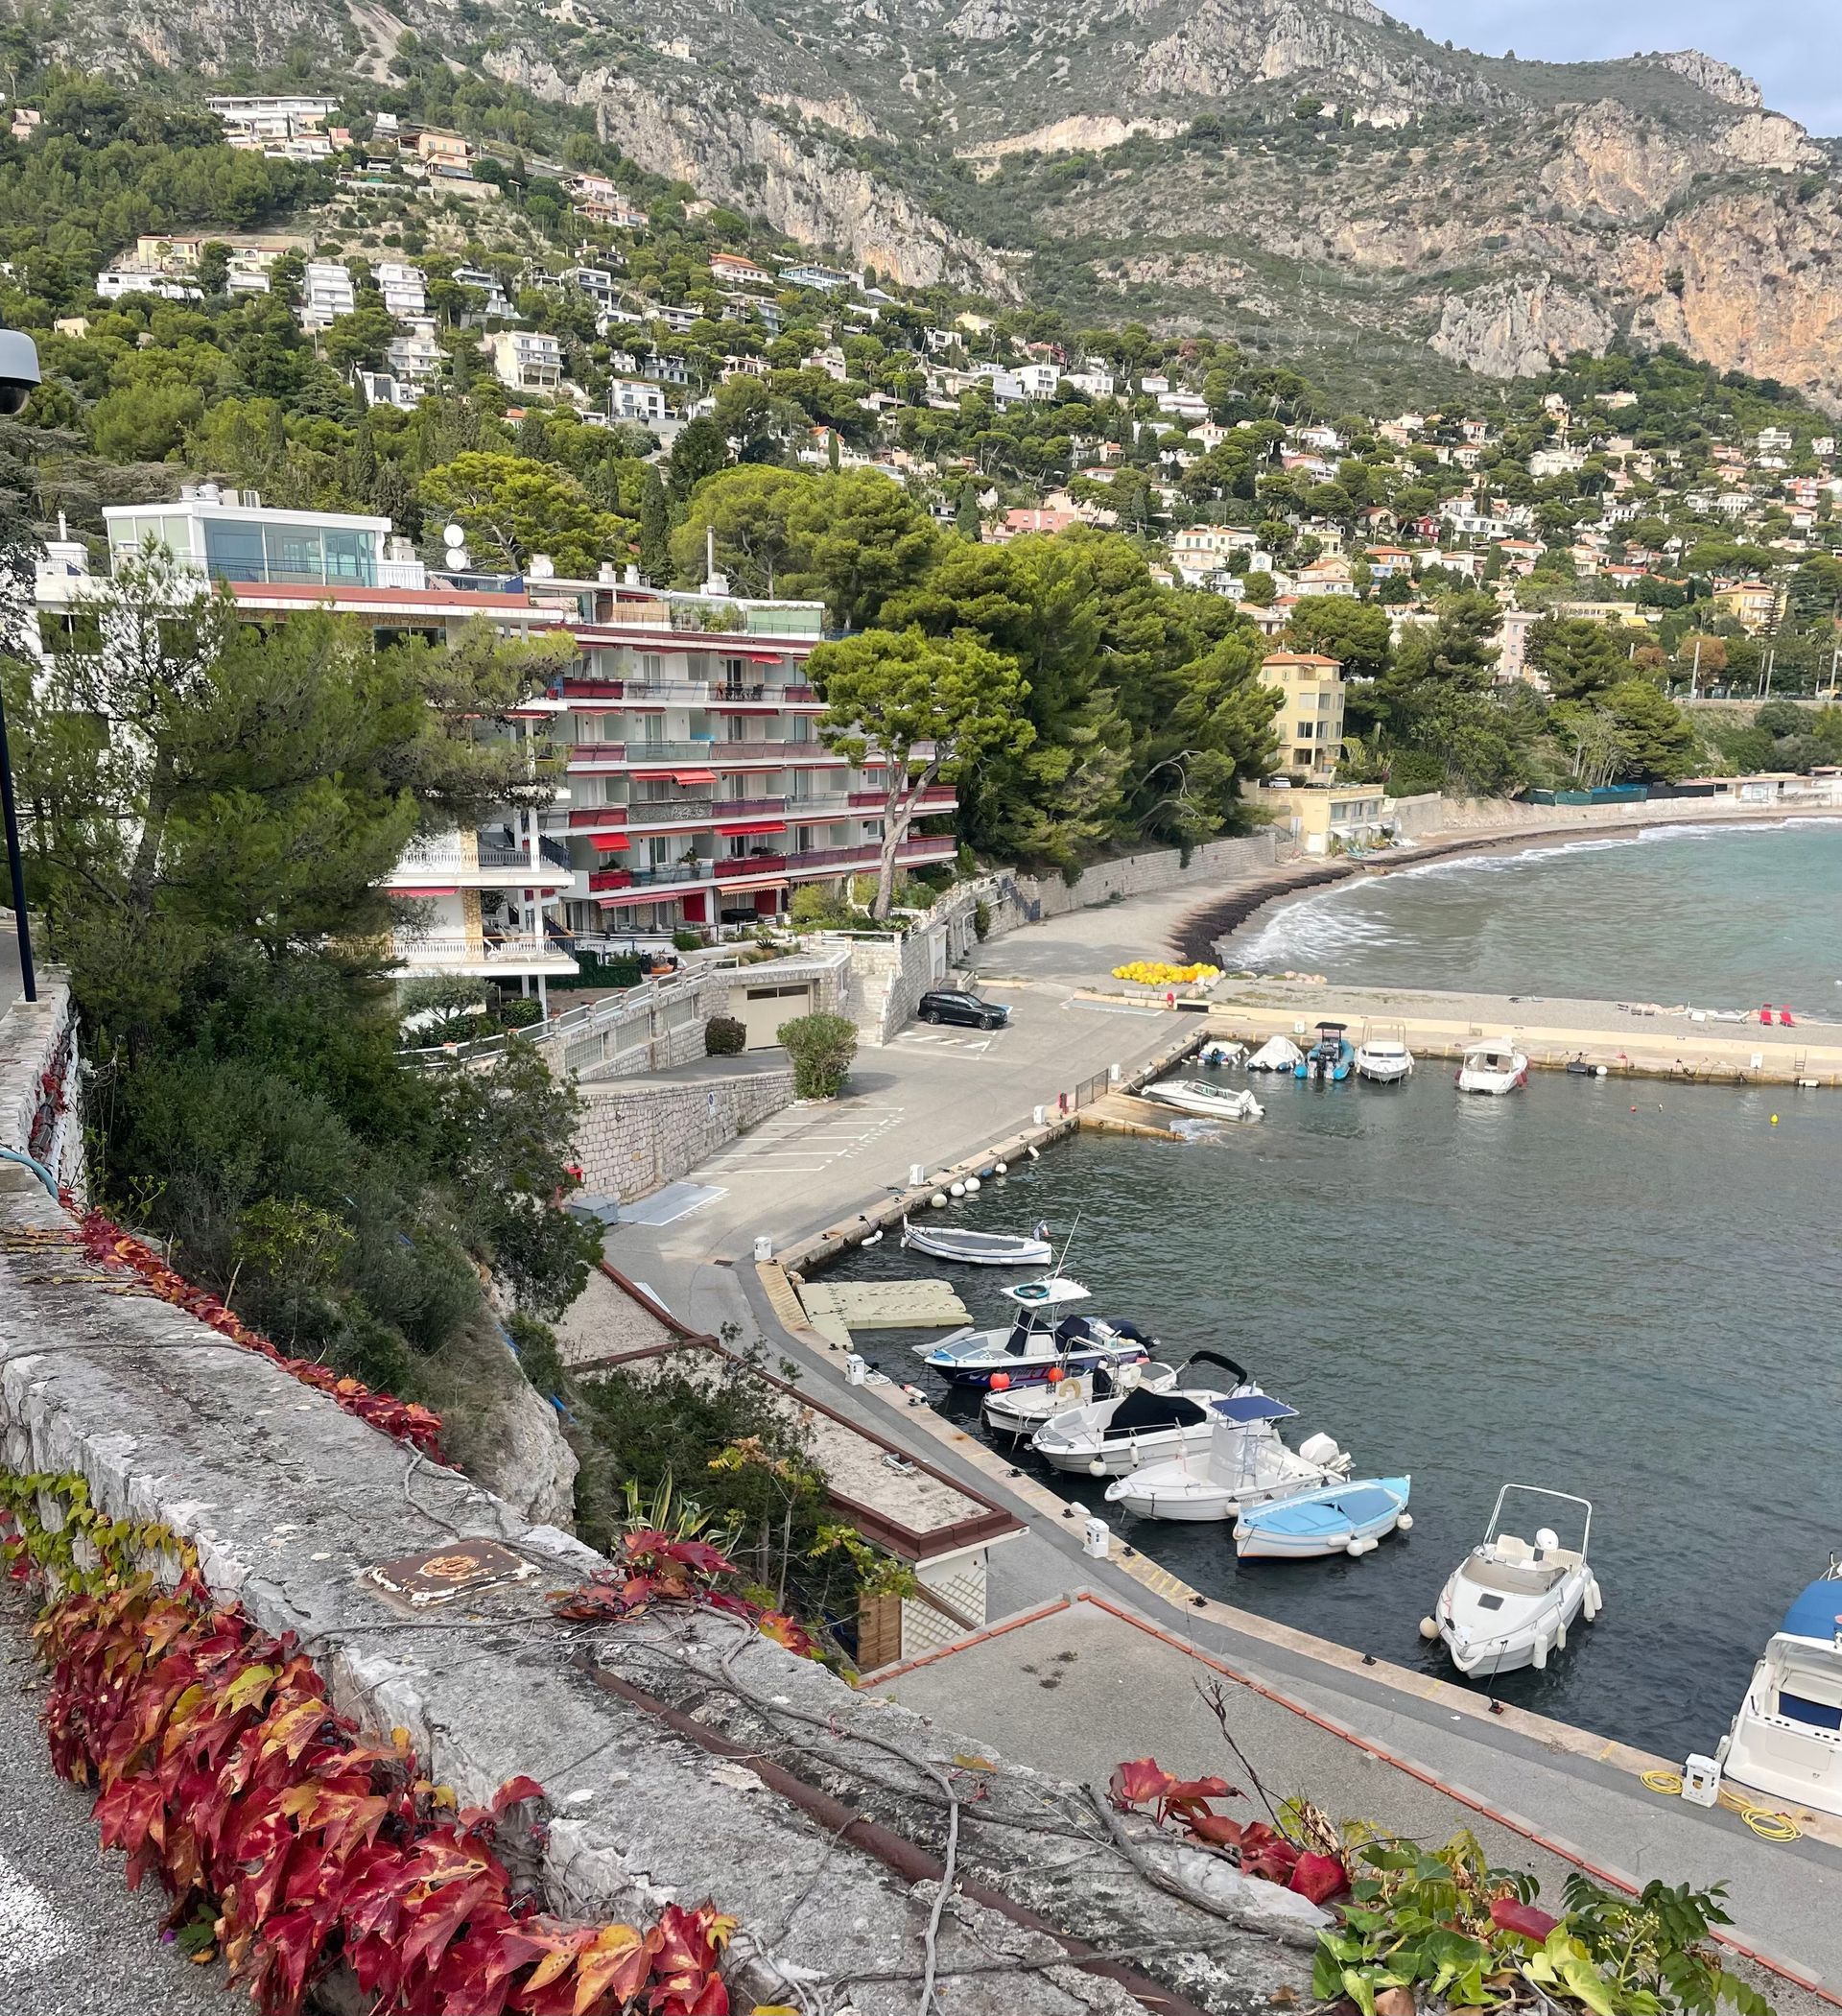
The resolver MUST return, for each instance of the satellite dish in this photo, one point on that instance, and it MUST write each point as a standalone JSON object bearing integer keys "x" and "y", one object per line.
{"x": 452, "y": 535}
{"x": 542, "y": 567}
{"x": 460, "y": 557}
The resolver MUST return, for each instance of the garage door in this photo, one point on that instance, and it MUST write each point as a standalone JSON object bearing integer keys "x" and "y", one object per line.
{"x": 762, "y": 1009}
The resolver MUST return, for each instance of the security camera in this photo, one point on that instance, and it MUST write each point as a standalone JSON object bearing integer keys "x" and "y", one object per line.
{"x": 18, "y": 370}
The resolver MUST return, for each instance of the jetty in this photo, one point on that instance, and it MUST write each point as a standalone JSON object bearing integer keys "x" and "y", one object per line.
{"x": 1679, "y": 1041}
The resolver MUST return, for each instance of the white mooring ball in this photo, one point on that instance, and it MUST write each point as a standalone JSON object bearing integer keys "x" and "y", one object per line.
{"x": 1429, "y": 1629}
{"x": 1002, "y": 1169}
{"x": 938, "y": 1201}
{"x": 955, "y": 1190}
{"x": 972, "y": 1184}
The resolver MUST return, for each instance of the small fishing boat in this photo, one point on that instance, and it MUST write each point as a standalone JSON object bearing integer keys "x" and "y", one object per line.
{"x": 1340, "y": 1519}
{"x": 979, "y": 1249}
{"x": 1110, "y": 1437}
{"x": 1038, "y": 1337}
{"x": 1787, "y": 1740}
{"x": 1328, "y": 1058}
{"x": 1242, "y": 1464}
{"x": 1383, "y": 1058}
{"x": 1217, "y": 1055}
{"x": 1509, "y": 1604}
{"x": 1494, "y": 1066}
{"x": 1192, "y": 1095}
{"x": 1020, "y": 1410}
{"x": 1277, "y": 1053}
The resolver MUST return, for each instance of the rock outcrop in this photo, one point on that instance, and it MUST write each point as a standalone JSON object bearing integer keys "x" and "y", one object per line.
{"x": 1516, "y": 328}
{"x": 1708, "y": 73}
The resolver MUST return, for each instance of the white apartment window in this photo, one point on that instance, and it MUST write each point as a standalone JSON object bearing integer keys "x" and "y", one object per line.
{"x": 652, "y": 727}
{"x": 651, "y": 667}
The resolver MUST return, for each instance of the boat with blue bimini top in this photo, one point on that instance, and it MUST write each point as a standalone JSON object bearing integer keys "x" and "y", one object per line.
{"x": 1046, "y": 1331}
{"x": 1341, "y": 1519}
{"x": 1108, "y": 1434}
{"x": 1242, "y": 1464}
{"x": 1330, "y": 1056}
{"x": 1787, "y": 1740}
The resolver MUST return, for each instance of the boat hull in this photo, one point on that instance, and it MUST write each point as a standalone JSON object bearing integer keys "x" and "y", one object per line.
{"x": 1384, "y": 1071}
{"x": 1309, "y": 1539}
{"x": 1006, "y": 1253}
{"x": 1482, "y": 1653}
{"x": 1122, "y": 1458}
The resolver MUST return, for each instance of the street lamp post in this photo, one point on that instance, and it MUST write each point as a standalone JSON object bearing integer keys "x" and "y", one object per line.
{"x": 15, "y": 864}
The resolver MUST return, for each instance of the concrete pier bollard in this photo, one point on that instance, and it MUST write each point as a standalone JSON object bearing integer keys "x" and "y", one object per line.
{"x": 917, "y": 1174}
{"x": 1038, "y": 1116}
{"x": 856, "y": 1366}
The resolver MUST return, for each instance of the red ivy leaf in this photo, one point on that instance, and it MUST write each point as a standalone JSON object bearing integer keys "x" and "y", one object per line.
{"x": 1143, "y": 1782}
{"x": 1511, "y": 1914}
{"x": 1320, "y": 1876}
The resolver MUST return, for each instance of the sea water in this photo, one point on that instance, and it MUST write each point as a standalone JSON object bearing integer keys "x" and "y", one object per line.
{"x": 1622, "y": 1289}
{"x": 1712, "y": 915}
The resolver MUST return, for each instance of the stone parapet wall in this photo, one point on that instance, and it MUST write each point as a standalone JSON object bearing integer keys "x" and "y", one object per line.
{"x": 634, "y": 1137}
{"x": 292, "y": 1503}
{"x": 41, "y": 1072}
{"x": 651, "y": 1028}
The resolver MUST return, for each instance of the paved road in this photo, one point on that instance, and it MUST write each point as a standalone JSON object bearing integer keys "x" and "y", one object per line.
{"x": 932, "y": 1096}
{"x": 73, "y": 1940}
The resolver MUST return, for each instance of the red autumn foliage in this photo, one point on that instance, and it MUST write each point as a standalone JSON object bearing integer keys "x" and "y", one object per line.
{"x": 1511, "y": 1914}
{"x": 220, "y": 1766}
{"x": 654, "y": 1569}
{"x": 109, "y": 1245}
{"x": 1145, "y": 1786}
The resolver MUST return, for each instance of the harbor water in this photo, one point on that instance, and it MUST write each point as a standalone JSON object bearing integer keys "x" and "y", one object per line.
{"x": 1586, "y": 1286}
{"x": 1712, "y": 915}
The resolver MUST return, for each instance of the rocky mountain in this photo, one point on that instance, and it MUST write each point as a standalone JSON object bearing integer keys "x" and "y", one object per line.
{"x": 1309, "y": 175}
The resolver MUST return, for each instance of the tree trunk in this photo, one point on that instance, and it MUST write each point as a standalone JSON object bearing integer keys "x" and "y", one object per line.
{"x": 147, "y": 853}
{"x": 898, "y": 815}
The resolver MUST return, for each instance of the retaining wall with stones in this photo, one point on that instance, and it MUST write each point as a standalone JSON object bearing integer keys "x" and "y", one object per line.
{"x": 40, "y": 1072}
{"x": 633, "y": 1138}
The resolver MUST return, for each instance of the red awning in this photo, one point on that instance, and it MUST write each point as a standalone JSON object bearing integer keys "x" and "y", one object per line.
{"x": 397, "y": 890}
{"x": 610, "y": 842}
{"x": 764, "y": 657}
{"x": 752, "y": 826}
{"x": 695, "y": 776}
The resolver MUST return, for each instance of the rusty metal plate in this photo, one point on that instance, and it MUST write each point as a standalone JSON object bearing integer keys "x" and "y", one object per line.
{"x": 462, "y": 1568}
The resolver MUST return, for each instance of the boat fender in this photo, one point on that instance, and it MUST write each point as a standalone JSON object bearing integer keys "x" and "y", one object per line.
{"x": 874, "y": 1239}
{"x": 1560, "y": 1637}
{"x": 1096, "y": 1468}
{"x": 972, "y": 1184}
{"x": 955, "y": 1190}
{"x": 938, "y": 1201}
{"x": 1358, "y": 1546}
{"x": 1405, "y": 1523}
{"x": 1594, "y": 1600}
{"x": 1429, "y": 1629}
{"x": 1541, "y": 1654}
{"x": 1002, "y": 1169}
{"x": 1032, "y": 1155}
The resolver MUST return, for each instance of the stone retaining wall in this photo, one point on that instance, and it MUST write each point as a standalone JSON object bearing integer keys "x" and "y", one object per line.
{"x": 633, "y": 1138}
{"x": 41, "y": 1072}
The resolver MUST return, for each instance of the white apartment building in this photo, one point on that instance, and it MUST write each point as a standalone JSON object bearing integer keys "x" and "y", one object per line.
{"x": 119, "y": 280}
{"x": 526, "y": 360}
{"x": 633, "y": 399}
{"x": 1039, "y": 381}
{"x": 404, "y": 288}
{"x": 267, "y": 121}
{"x": 326, "y": 293}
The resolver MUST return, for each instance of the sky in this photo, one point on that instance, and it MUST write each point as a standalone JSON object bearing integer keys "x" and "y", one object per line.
{"x": 1792, "y": 47}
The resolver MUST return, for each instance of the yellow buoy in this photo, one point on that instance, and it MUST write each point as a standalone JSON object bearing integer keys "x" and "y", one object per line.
{"x": 1774, "y": 1119}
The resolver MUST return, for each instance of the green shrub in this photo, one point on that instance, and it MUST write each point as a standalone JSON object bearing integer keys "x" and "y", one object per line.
{"x": 687, "y": 940}
{"x": 822, "y": 1048}
{"x": 816, "y": 908}
{"x": 1779, "y": 718}
{"x": 535, "y": 1345}
{"x": 521, "y": 1011}
{"x": 723, "y": 1036}
{"x": 1412, "y": 772}
{"x": 982, "y": 920}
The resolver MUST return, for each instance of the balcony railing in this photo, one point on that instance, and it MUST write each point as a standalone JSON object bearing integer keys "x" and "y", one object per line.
{"x": 935, "y": 846}
{"x": 586, "y": 755}
{"x": 511, "y": 949}
{"x": 458, "y": 854}
{"x": 669, "y": 811}
{"x": 738, "y": 866}
{"x": 697, "y": 691}
{"x": 938, "y": 797}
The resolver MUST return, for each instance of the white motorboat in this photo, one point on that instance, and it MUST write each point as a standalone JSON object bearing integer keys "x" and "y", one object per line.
{"x": 979, "y": 1249}
{"x": 1383, "y": 1059}
{"x": 1242, "y": 1464}
{"x": 1340, "y": 1519}
{"x": 1193, "y": 1095}
{"x": 1787, "y": 1740}
{"x": 1218, "y": 1054}
{"x": 1022, "y": 1409}
{"x": 1511, "y": 1602}
{"x": 1038, "y": 1339}
{"x": 1495, "y": 1065}
{"x": 1110, "y": 1437}
{"x": 1277, "y": 1053}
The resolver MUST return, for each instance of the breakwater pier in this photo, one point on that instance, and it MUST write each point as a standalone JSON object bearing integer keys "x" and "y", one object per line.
{"x": 1637, "y": 1039}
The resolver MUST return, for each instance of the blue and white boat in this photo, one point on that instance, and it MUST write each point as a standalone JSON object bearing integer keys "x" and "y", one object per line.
{"x": 1341, "y": 1519}
{"x": 1046, "y": 1331}
{"x": 1787, "y": 1740}
{"x": 1330, "y": 1056}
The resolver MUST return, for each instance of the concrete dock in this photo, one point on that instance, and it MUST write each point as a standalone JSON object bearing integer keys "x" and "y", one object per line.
{"x": 1635, "y": 1039}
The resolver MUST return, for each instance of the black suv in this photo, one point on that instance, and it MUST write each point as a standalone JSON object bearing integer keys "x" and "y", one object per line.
{"x": 947, "y": 1005}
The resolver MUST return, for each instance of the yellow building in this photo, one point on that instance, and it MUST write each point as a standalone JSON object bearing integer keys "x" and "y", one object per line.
{"x": 1755, "y": 603}
{"x": 1310, "y": 719}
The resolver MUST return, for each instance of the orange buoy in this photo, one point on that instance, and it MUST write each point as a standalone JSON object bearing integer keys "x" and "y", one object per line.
{"x": 1001, "y": 1382}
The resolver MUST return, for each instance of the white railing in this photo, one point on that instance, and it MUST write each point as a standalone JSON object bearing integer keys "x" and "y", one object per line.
{"x": 441, "y": 951}
{"x": 402, "y": 574}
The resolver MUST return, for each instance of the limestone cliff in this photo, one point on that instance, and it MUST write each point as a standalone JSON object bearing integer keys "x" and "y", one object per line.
{"x": 1517, "y": 328}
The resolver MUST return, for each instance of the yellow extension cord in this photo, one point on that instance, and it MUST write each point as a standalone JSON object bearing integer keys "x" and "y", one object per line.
{"x": 1765, "y": 1821}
